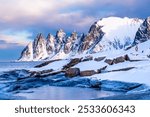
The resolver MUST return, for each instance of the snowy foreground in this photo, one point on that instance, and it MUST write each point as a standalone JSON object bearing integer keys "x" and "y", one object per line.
{"x": 123, "y": 79}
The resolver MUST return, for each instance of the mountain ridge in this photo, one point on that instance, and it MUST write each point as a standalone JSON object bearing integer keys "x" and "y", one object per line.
{"x": 107, "y": 34}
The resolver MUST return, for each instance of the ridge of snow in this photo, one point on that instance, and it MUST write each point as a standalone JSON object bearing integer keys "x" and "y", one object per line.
{"x": 119, "y": 33}
{"x": 119, "y": 28}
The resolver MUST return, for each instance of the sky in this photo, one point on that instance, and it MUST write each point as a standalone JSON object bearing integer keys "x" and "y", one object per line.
{"x": 22, "y": 20}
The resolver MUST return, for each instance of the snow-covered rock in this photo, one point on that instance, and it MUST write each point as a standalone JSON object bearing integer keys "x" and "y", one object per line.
{"x": 39, "y": 48}
{"x": 50, "y": 44}
{"x": 143, "y": 33}
{"x": 27, "y": 53}
{"x": 119, "y": 33}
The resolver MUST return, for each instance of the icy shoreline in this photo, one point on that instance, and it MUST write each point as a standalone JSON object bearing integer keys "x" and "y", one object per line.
{"x": 14, "y": 86}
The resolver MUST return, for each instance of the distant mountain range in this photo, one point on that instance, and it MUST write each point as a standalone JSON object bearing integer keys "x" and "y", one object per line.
{"x": 107, "y": 34}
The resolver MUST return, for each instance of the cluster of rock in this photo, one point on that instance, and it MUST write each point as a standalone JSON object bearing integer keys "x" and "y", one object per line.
{"x": 117, "y": 60}
{"x": 71, "y": 71}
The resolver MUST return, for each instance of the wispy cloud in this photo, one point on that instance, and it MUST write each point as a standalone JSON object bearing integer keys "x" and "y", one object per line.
{"x": 19, "y": 38}
{"x": 26, "y": 14}
{"x": 21, "y": 19}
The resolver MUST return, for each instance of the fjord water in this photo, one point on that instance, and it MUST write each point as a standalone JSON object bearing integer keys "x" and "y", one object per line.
{"x": 7, "y": 66}
{"x": 64, "y": 93}
{"x": 46, "y": 91}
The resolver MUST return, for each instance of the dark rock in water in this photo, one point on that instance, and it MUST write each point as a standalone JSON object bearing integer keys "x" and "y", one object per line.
{"x": 87, "y": 58}
{"x": 99, "y": 59}
{"x": 109, "y": 61}
{"x": 95, "y": 83}
{"x": 72, "y": 63}
{"x": 72, "y": 72}
{"x": 119, "y": 60}
{"x": 87, "y": 73}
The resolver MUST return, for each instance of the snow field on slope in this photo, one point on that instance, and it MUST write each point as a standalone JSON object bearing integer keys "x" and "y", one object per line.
{"x": 119, "y": 28}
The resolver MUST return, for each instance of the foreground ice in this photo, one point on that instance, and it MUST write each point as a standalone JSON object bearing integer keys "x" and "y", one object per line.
{"x": 61, "y": 87}
{"x": 132, "y": 84}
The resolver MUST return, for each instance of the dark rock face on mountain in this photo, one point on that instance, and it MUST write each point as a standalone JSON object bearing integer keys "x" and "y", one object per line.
{"x": 69, "y": 45}
{"x": 27, "y": 53}
{"x": 93, "y": 37}
{"x": 39, "y": 48}
{"x": 143, "y": 33}
{"x": 60, "y": 40}
{"x": 50, "y": 44}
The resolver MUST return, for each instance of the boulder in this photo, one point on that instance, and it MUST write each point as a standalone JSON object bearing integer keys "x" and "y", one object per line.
{"x": 87, "y": 58}
{"x": 40, "y": 73}
{"x": 87, "y": 73}
{"x": 126, "y": 57}
{"x": 101, "y": 69}
{"x": 109, "y": 61}
{"x": 95, "y": 83}
{"x": 46, "y": 63}
{"x": 99, "y": 59}
{"x": 119, "y": 60}
{"x": 72, "y": 72}
{"x": 72, "y": 63}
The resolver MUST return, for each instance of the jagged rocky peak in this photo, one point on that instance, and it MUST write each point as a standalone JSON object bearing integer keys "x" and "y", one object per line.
{"x": 69, "y": 45}
{"x": 60, "y": 35}
{"x": 50, "y": 44}
{"x": 74, "y": 35}
{"x": 107, "y": 34}
{"x": 93, "y": 37}
{"x": 143, "y": 33}
{"x": 39, "y": 47}
{"x": 119, "y": 33}
{"x": 60, "y": 40}
{"x": 27, "y": 53}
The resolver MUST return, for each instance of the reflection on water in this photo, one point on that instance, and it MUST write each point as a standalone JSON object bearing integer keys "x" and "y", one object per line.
{"x": 64, "y": 93}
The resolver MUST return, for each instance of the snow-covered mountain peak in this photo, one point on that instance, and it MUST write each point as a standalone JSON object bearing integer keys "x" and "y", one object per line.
{"x": 74, "y": 35}
{"x": 50, "y": 44}
{"x": 143, "y": 33}
{"x": 116, "y": 27}
{"x": 27, "y": 53}
{"x": 105, "y": 35}
{"x": 60, "y": 34}
{"x": 39, "y": 47}
{"x": 119, "y": 33}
